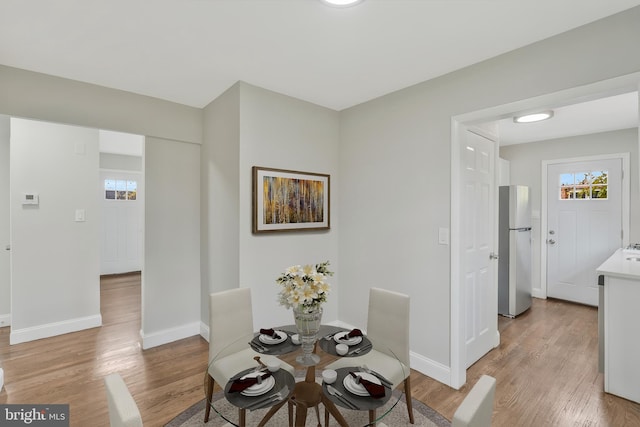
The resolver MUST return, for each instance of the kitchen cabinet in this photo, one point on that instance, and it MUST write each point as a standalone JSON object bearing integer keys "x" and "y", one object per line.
{"x": 621, "y": 329}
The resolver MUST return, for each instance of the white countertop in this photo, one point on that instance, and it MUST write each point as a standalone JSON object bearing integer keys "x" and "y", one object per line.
{"x": 618, "y": 265}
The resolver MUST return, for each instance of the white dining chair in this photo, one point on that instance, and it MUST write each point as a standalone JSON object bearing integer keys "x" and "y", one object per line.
{"x": 230, "y": 329}
{"x": 388, "y": 330}
{"x": 477, "y": 407}
{"x": 123, "y": 411}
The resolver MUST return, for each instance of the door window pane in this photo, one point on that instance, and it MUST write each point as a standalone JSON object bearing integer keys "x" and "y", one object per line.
{"x": 584, "y": 185}
{"x": 132, "y": 190}
{"x": 120, "y": 189}
{"x": 110, "y": 189}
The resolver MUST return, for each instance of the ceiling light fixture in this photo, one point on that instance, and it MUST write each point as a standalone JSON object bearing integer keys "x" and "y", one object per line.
{"x": 342, "y": 3}
{"x": 534, "y": 117}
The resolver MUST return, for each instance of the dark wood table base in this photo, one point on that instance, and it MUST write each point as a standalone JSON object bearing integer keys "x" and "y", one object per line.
{"x": 306, "y": 394}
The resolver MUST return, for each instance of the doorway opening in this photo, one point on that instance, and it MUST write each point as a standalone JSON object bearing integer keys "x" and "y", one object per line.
{"x": 484, "y": 119}
{"x": 121, "y": 194}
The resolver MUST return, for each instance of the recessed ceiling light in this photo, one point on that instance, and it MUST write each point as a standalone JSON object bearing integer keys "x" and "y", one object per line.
{"x": 342, "y": 3}
{"x": 534, "y": 117}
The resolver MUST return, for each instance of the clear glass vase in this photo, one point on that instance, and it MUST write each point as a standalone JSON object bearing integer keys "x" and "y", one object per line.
{"x": 308, "y": 324}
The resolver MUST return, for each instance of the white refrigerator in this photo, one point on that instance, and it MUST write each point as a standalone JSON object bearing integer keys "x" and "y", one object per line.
{"x": 514, "y": 250}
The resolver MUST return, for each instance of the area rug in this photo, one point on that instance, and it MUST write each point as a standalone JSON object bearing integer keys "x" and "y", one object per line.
{"x": 398, "y": 417}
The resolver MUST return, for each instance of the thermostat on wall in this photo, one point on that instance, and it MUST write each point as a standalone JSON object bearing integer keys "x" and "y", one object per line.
{"x": 30, "y": 199}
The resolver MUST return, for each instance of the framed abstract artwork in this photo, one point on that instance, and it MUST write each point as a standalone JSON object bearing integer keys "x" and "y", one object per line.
{"x": 286, "y": 200}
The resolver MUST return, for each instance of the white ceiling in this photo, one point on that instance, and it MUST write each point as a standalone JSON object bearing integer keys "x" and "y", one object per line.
{"x": 190, "y": 51}
{"x": 600, "y": 115}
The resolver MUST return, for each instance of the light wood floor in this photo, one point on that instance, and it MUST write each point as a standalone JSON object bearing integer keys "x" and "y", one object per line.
{"x": 546, "y": 368}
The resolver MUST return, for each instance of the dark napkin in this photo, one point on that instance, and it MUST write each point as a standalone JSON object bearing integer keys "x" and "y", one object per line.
{"x": 269, "y": 332}
{"x": 375, "y": 390}
{"x": 351, "y": 334}
{"x": 243, "y": 383}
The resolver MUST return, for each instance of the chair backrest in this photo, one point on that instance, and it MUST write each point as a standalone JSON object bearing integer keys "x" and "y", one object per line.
{"x": 123, "y": 411}
{"x": 477, "y": 407}
{"x": 230, "y": 321}
{"x": 388, "y": 323}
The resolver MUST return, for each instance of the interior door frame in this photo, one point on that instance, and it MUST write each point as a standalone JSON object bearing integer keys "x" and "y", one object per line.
{"x": 617, "y": 85}
{"x": 626, "y": 193}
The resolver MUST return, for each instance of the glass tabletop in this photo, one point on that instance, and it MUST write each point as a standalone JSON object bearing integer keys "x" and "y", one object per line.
{"x": 305, "y": 394}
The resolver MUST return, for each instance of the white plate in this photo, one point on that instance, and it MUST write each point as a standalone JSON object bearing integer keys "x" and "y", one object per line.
{"x": 258, "y": 389}
{"x": 266, "y": 339}
{"x": 358, "y": 389}
{"x": 350, "y": 341}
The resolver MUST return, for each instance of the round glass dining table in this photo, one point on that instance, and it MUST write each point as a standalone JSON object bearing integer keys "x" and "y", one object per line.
{"x": 346, "y": 402}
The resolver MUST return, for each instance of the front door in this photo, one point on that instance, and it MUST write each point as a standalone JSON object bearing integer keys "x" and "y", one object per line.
{"x": 122, "y": 220}
{"x": 478, "y": 235}
{"x": 584, "y": 225}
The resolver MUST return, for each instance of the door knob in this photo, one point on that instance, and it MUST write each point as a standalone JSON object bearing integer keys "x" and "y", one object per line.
{"x": 7, "y": 248}
{"x": 551, "y": 242}
{"x": 552, "y": 232}
{"x": 493, "y": 255}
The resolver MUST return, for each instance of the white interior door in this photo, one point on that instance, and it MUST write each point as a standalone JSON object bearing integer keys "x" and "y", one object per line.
{"x": 121, "y": 246}
{"x": 478, "y": 236}
{"x": 584, "y": 225}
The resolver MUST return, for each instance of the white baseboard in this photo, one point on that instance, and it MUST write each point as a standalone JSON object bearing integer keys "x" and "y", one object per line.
{"x": 430, "y": 368}
{"x": 166, "y": 336}
{"x": 5, "y": 320}
{"x": 537, "y": 293}
{"x": 33, "y": 333}
{"x": 204, "y": 331}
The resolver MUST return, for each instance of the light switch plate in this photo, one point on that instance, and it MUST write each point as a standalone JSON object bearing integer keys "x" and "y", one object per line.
{"x": 80, "y": 215}
{"x": 443, "y": 236}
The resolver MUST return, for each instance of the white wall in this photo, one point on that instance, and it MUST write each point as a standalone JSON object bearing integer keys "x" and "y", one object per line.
{"x": 5, "y": 256}
{"x": 282, "y": 132}
{"x": 54, "y": 258}
{"x": 249, "y": 126}
{"x": 39, "y": 96}
{"x": 395, "y": 168}
{"x": 171, "y": 272}
{"x": 121, "y": 143}
{"x": 526, "y": 166}
{"x": 504, "y": 172}
{"x": 220, "y": 164}
{"x": 120, "y": 162}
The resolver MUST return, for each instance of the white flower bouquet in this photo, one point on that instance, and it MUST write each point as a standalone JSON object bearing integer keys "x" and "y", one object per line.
{"x": 304, "y": 287}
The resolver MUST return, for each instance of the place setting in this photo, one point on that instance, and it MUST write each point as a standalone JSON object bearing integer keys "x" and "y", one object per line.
{"x": 274, "y": 341}
{"x": 346, "y": 343}
{"x": 357, "y": 388}
{"x": 259, "y": 387}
